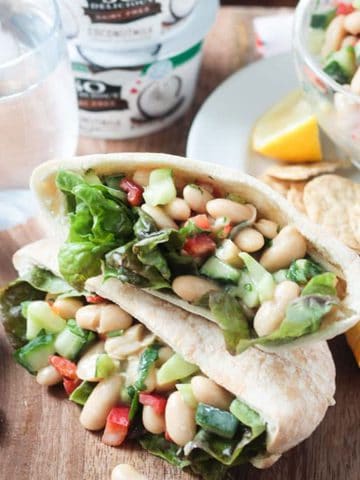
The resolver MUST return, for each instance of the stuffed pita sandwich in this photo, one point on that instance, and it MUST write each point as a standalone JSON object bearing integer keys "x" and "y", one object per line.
{"x": 213, "y": 241}
{"x": 142, "y": 368}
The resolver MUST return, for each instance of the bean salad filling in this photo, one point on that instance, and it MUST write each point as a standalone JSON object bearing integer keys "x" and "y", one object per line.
{"x": 335, "y": 36}
{"x": 207, "y": 250}
{"x": 127, "y": 382}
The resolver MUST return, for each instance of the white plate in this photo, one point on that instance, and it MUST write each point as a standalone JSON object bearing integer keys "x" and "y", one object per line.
{"x": 222, "y": 128}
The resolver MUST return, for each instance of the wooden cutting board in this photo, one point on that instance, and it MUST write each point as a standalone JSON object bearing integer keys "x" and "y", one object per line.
{"x": 40, "y": 435}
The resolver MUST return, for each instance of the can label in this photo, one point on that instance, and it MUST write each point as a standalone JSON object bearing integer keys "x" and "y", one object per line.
{"x": 128, "y": 102}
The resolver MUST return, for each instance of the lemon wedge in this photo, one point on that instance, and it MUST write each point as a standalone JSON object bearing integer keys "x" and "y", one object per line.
{"x": 288, "y": 131}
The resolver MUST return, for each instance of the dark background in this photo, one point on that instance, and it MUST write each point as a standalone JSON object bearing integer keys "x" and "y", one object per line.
{"x": 267, "y": 3}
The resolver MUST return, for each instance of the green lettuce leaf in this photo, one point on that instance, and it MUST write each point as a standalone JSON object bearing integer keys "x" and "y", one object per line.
{"x": 303, "y": 316}
{"x": 99, "y": 221}
{"x": 12, "y": 298}
{"x": 323, "y": 284}
{"x": 123, "y": 264}
{"x": 144, "y": 226}
{"x": 46, "y": 281}
{"x": 302, "y": 270}
{"x": 230, "y": 317}
{"x": 159, "y": 446}
{"x": 147, "y": 360}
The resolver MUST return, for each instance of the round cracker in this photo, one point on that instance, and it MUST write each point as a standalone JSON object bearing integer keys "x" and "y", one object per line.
{"x": 304, "y": 171}
{"x": 330, "y": 200}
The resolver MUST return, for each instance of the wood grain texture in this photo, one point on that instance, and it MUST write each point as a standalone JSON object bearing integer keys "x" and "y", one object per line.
{"x": 40, "y": 435}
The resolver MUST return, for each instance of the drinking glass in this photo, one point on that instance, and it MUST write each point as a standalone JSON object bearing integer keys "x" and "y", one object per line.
{"x": 38, "y": 107}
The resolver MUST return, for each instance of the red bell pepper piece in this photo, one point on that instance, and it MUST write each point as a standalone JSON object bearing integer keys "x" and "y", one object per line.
{"x": 95, "y": 299}
{"x": 66, "y": 368}
{"x": 344, "y": 8}
{"x": 201, "y": 221}
{"x": 70, "y": 385}
{"x": 117, "y": 426}
{"x": 200, "y": 245}
{"x": 157, "y": 402}
{"x": 133, "y": 190}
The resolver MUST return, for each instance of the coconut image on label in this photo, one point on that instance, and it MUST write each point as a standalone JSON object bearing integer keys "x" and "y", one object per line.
{"x": 160, "y": 99}
{"x": 178, "y": 10}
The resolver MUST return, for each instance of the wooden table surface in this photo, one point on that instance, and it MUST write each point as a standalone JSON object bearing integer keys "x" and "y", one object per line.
{"x": 40, "y": 436}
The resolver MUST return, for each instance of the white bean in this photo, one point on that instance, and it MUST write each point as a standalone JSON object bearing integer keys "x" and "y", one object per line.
{"x": 67, "y": 307}
{"x": 180, "y": 420}
{"x": 48, "y": 376}
{"x": 271, "y": 313}
{"x": 196, "y": 197}
{"x": 249, "y": 240}
{"x": 152, "y": 421}
{"x": 268, "y": 228}
{"x": 352, "y": 22}
{"x": 141, "y": 177}
{"x": 161, "y": 219}
{"x": 207, "y": 391}
{"x": 178, "y": 210}
{"x": 335, "y": 33}
{"x": 235, "y": 212}
{"x": 86, "y": 367}
{"x": 102, "y": 399}
{"x": 88, "y": 317}
{"x": 192, "y": 288}
{"x": 355, "y": 82}
{"x": 126, "y": 472}
{"x": 112, "y": 318}
{"x": 287, "y": 246}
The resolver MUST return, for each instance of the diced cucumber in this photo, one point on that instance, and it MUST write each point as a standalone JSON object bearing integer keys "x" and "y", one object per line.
{"x": 341, "y": 65}
{"x": 215, "y": 268}
{"x": 357, "y": 53}
{"x": 105, "y": 366}
{"x": 35, "y": 354}
{"x": 39, "y": 315}
{"x": 68, "y": 345}
{"x": 262, "y": 279}
{"x": 228, "y": 253}
{"x": 315, "y": 40}
{"x": 216, "y": 421}
{"x": 247, "y": 416}
{"x": 321, "y": 18}
{"x": 72, "y": 340}
{"x": 161, "y": 189}
{"x": 246, "y": 290}
{"x": 187, "y": 394}
{"x": 174, "y": 369}
{"x": 115, "y": 333}
{"x": 82, "y": 392}
{"x": 280, "y": 275}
